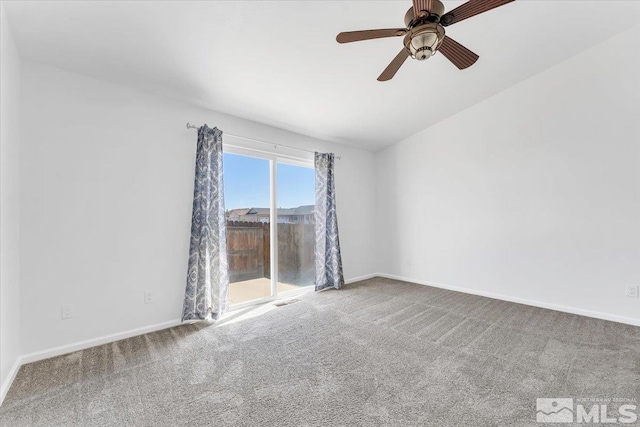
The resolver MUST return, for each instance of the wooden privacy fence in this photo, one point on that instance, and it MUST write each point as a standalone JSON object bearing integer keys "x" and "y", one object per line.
{"x": 296, "y": 254}
{"x": 249, "y": 255}
{"x": 248, "y": 250}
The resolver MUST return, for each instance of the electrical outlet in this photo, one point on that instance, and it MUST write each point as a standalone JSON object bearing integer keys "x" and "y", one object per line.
{"x": 149, "y": 298}
{"x": 632, "y": 291}
{"x": 67, "y": 311}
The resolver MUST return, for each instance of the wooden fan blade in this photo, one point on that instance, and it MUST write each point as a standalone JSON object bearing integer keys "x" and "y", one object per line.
{"x": 469, "y": 9}
{"x": 355, "y": 36}
{"x": 421, "y": 8}
{"x": 456, "y": 53}
{"x": 394, "y": 66}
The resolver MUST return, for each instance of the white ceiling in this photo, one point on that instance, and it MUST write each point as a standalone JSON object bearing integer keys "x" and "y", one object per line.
{"x": 277, "y": 62}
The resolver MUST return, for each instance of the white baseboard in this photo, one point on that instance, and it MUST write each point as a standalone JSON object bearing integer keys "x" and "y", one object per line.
{"x": 80, "y": 345}
{"x": 12, "y": 376}
{"x": 540, "y": 304}
{"x": 360, "y": 278}
{"x": 105, "y": 339}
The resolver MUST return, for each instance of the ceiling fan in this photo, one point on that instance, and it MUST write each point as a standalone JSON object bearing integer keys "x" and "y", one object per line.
{"x": 424, "y": 34}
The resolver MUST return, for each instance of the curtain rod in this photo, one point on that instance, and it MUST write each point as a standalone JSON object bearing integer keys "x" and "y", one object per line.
{"x": 190, "y": 126}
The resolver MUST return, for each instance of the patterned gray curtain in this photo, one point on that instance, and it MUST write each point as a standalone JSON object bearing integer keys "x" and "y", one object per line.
{"x": 207, "y": 293}
{"x": 328, "y": 259}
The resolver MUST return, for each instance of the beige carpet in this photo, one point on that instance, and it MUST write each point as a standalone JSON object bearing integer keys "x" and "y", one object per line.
{"x": 376, "y": 353}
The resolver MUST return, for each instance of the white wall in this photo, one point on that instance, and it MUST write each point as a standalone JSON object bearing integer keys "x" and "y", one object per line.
{"x": 107, "y": 178}
{"x": 9, "y": 204}
{"x": 532, "y": 194}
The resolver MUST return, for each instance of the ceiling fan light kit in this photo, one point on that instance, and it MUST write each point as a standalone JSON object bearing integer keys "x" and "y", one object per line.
{"x": 423, "y": 41}
{"x": 425, "y": 33}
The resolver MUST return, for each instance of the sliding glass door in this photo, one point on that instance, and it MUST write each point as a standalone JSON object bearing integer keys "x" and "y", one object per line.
{"x": 247, "y": 193}
{"x": 296, "y": 239}
{"x": 270, "y": 226}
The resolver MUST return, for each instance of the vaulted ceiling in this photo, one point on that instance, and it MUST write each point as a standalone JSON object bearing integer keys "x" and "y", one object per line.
{"x": 277, "y": 62}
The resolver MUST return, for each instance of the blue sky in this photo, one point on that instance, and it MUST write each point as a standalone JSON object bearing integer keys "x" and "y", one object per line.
{"x": 246, "y": 183}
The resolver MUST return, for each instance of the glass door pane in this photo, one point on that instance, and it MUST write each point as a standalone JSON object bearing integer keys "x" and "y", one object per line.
{"x": 296, "y": 241}
{"x": 247, "y": 192}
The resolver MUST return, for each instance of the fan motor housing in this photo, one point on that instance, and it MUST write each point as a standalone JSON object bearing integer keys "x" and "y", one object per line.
{"x": 437, "y": 10}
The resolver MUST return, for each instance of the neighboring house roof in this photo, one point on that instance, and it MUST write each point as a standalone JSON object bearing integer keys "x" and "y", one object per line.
{"x": 239, "y": 212}
{"x": 300, "y": 210}
{"x": 287, "y": 211}
{"x": 304, "y": 210}
{"x": 258, "y": 211}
